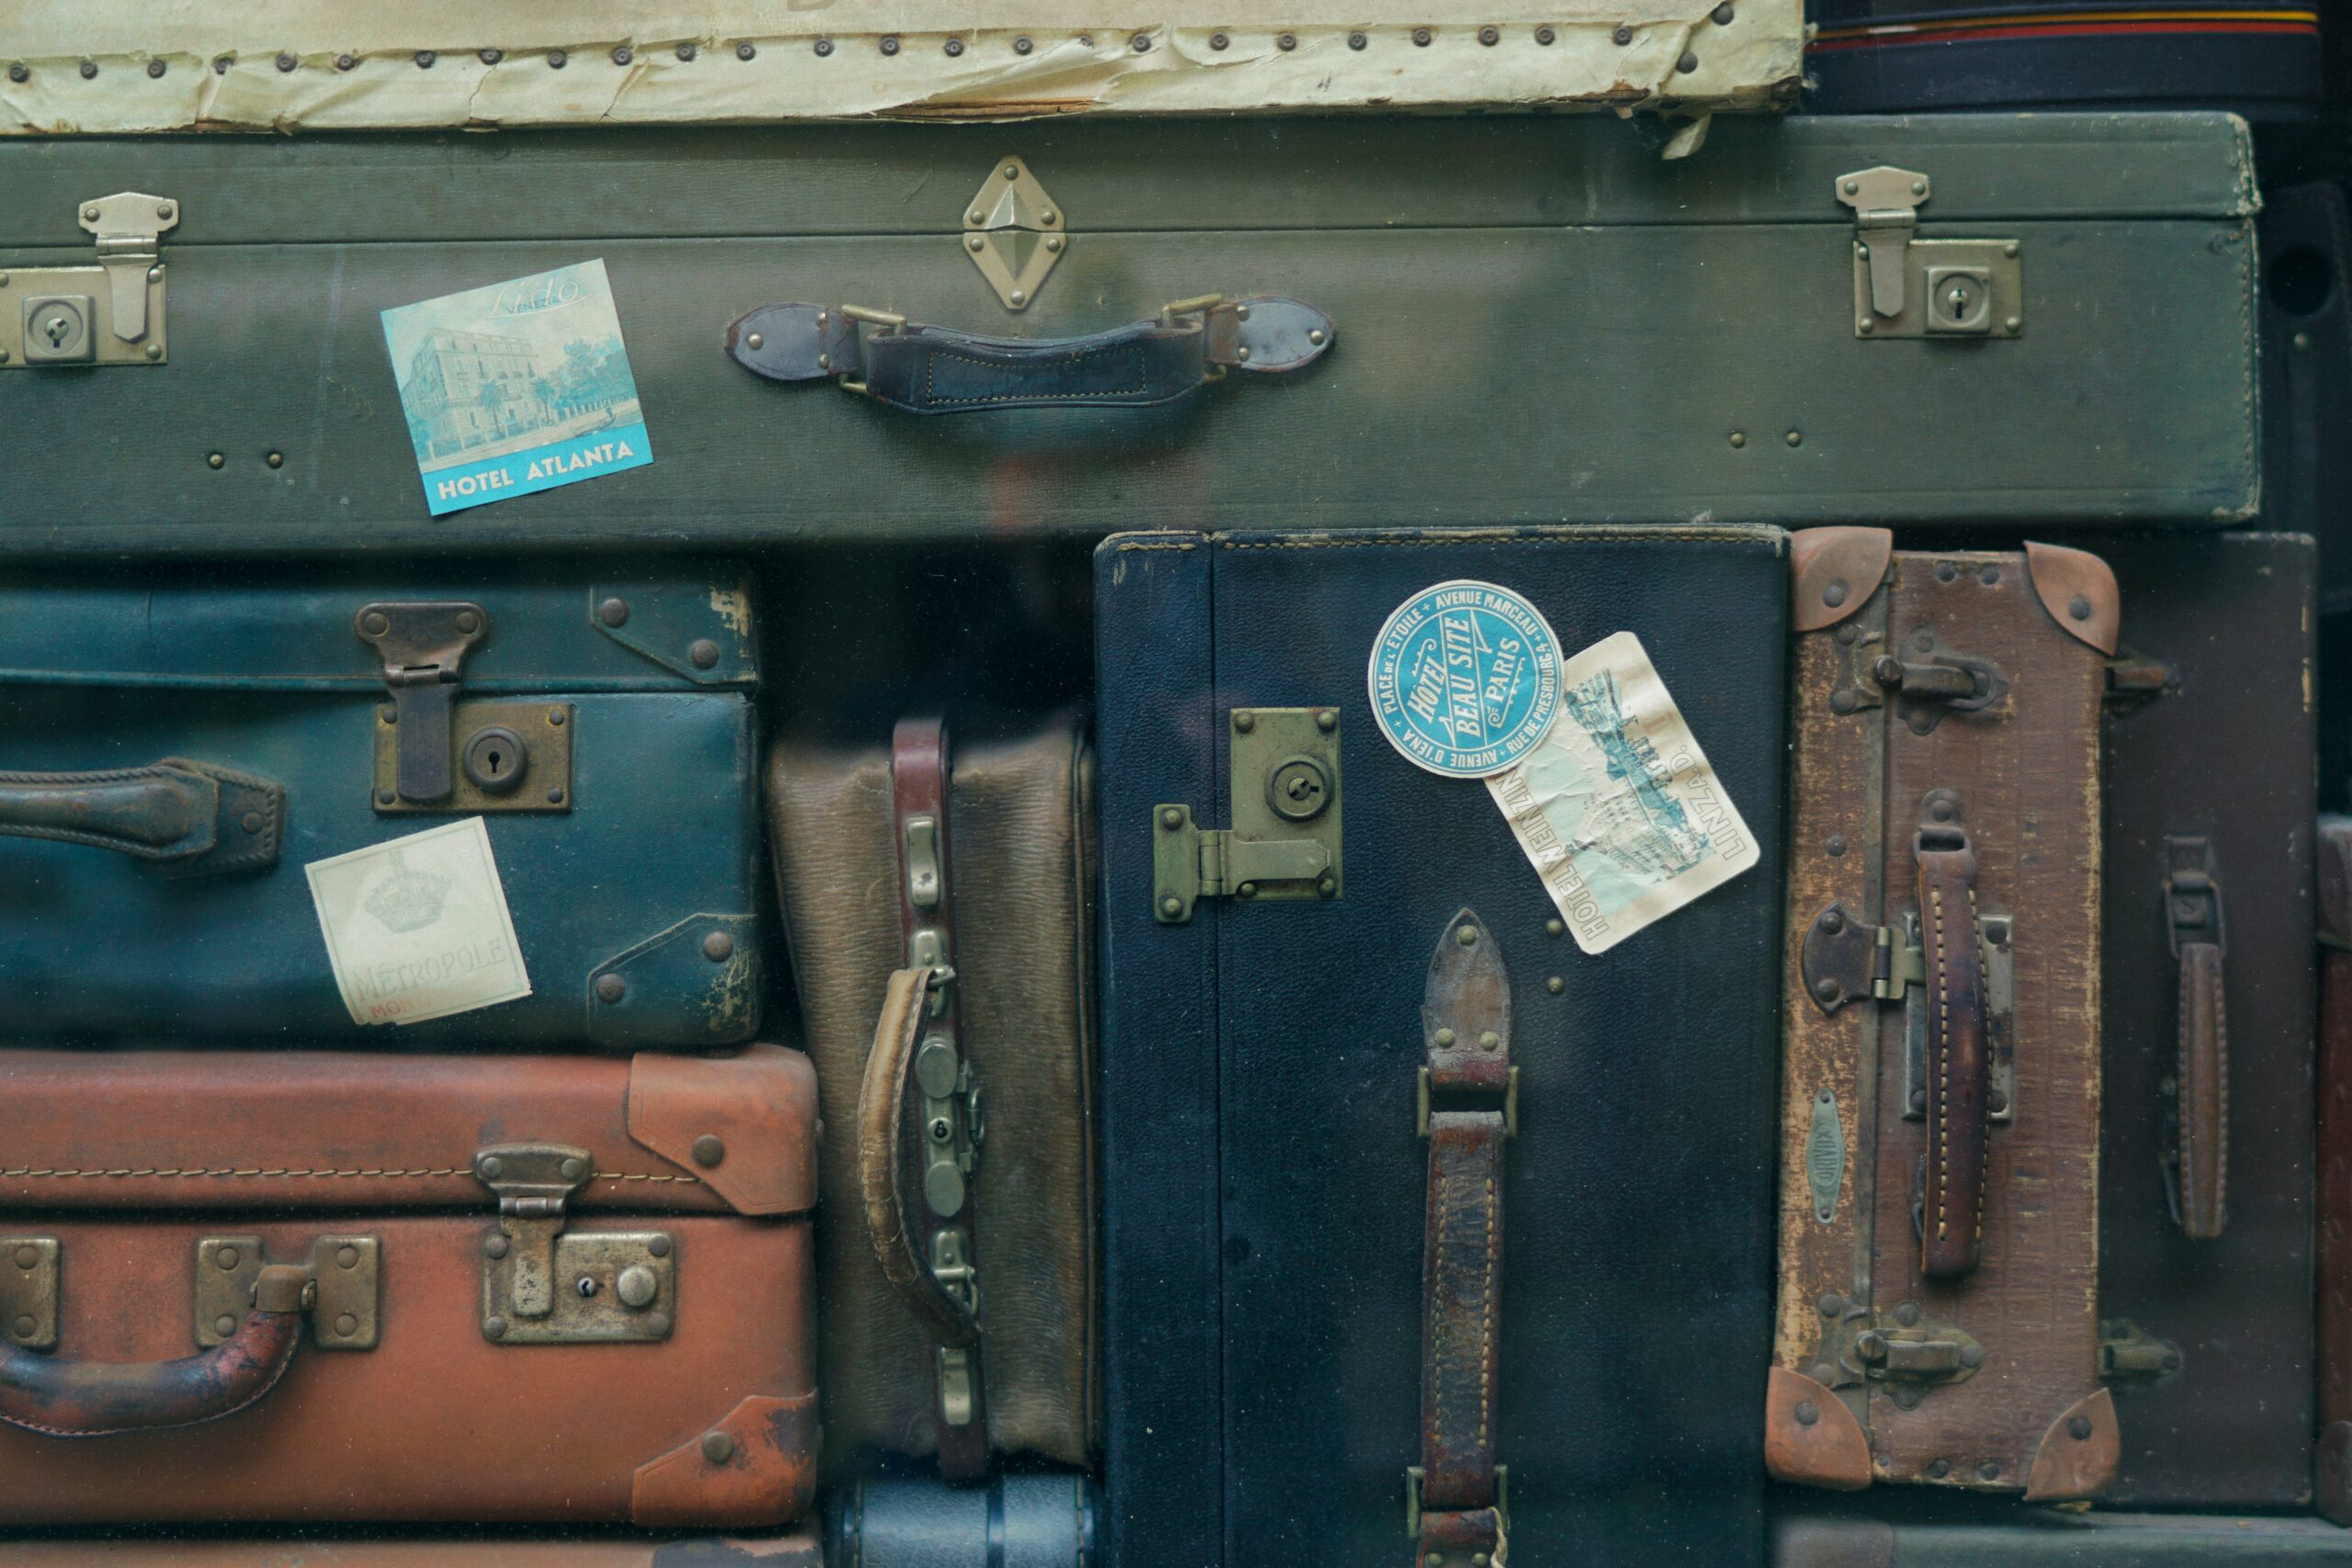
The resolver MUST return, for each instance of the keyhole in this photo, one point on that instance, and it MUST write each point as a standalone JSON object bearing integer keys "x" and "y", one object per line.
{"x": 55, "y": 329}
{"x": 497, "y": 762}
{"x": 1958, "y": 295}
{"x": 1302, "y": 788}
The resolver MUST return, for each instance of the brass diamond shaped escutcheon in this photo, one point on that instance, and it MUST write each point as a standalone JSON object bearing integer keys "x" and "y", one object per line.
{"x": 1014, "y": 233}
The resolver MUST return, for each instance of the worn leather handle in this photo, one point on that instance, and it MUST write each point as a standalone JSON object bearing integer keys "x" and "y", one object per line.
{"x": 929, "y": 369}
{"x": 881, "y": 1160}
{"x": 1951, "y": 1215}
{"x": 190, "y": 817}
{"x": 96, "y": 1399}
{"x": 2204, "y": 1079}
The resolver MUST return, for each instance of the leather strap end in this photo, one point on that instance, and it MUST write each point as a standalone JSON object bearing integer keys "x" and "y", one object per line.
{"x": 1952, "y": 1219}
{"x": 795, "y": 342}
{"x": 2204, "y": 1080}
{"x": 1452, "y": 1536}
{"x": 1267, "y": 333}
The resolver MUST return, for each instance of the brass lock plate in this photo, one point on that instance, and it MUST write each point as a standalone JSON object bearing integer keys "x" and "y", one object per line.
{"x": 29, "y": 1292}
{"x": 509, "y": 757}
{"x": 1284, "y": 792}
{"x": 111, "y": 313}
{"x": 343, "y": 1269}
{"x": 1951, "y": 288}
{"x": 610, "y": 1287}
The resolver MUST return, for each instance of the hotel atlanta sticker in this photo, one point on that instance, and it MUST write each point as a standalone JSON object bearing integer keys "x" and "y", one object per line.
{"x": 1465, "y": 679}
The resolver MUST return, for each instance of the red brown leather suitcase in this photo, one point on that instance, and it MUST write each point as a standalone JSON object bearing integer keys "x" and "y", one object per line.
{"x": 798, "y": 1550}
{"x": 1940, "y": 1094}
{"x": 2333, "y": 1479}
{"x": 312, "y": 1286}
{"x": 2205, "y": 1172}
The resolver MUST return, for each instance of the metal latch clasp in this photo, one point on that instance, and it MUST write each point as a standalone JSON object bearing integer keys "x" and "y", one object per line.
{"x": 423, "y": 648}
{"x": 544, "y": 1285}
{"x": 1283, "y": 787}
{"x": 1905, "y": 287}
{"x": 2131, "y": 1355}
{"x": 1014, "y": 233}
{"x": 109, "y": 314}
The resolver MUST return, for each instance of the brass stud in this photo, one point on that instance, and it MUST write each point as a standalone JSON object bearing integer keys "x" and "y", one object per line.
{"x": 1286, "y": 41}
{"x": 492, "y": 1168}
{"x": 973, "y": 242}
{"x": 1807, "y": 1413}
{"x": 1246, "y": 890}
{"x": 824, "y": 47}
{"x": 424, "y": 59}
{"x": 469, "y": 622}
{"x": 718, "y": 1447}
{"x": 1490, "y": 36}
{"x": 555, "y": 797}
{"x": 718, "y": 947}
{"x": 1021, "y": 46}
{"x": 1445, "y": 1038}
{"x": 154, "y": 351}
{"x": 1241, "y": 353}
{"x": 1326, "y": 719}
{"x": 658, "y": 1245}
{"x": 1556, "y": 927}
{"x": 890, "y": 45}
{"x": 1020, "y": 297}
{"x": 276, "y": 460}
{"x": 1467, "y": 936}
{"x": 1244, "y": 721}
{"x": 1054, "y": 243}
{"x": 1740, "y": 438}
{"x": 1919, "y": 187}
{"x": 1622, "y": 36}
{"x": 226, "y": 1258}
{"x": 2012, "y": 324}
{"x": 496, "y": 1247}
{"x": 1938, "y": 1469}
{"x": 756, "y": 341}
{"x": 1314, "y": 335}
{"x": 1556, "y": 985}
{"x": 1544, "y": 36}
{"x": 493, "y": 1327}
{"x": 1328, "y": 887}
{"x": 1171, "y": 908}
{"x": 1794, "y": 438}
{"x": 213, "y": 459}
{"x": 224, "y": 1323}
{"x": 27, "y": 1257}
{"x": 611, "y": 988}
{"x": 347, "y": 1258}
{"x": 346, "y": 1325}
{"x": 657, "y": 1323}
{"x": 571, "y": 1170}
{"x": 954, "y": 46}
{"x": 558, "y": 60}
{"x": 554, "y": 719}
{"x": 709, "y": 1151}
{"x": 2079, "y": 607}
{"x": 2079, "y": 1428}
{"x": 1489, "y": 1041}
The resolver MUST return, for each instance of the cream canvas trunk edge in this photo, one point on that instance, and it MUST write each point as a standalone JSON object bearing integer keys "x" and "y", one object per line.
{"x": 110, "y": 67}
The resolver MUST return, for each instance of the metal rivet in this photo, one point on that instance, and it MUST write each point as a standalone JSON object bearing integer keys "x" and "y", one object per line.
{"x": 2079, "y": 607}
{"x": 658, "y": 1245}
{"x": 1841, "y": 700}
{"x": 1623, "y": 35}
{"x": 1989, "y": 1471}
{"x": 496, "y": 1247}
{"x": 1989, "y": 576}
{"x": 2012, "y": 324}
{"x": 1807, "y": 1413}
{"x": 224, "y": 1323}
{"x": 637, "y": 1287}
{"x": 1544, "y": 36}
{"x": 19, "y": 72}
{"x": 1864, "y": 325}
{"x": 1722, "y": 14}
{"x": 1171, "y": 907}
{"x": 1286, "y": 41}
{"x": 1172, "y": 816}
{"x": 347, "y": 1258}
{"x": 623, "y": 54}
{"x": 558, "y": 60}
{"x": 1556, "y": 927}
{"x": 154, "y": 351}
{"x": 1924, "y": 640}
{"x": 1919, "y": 187}
{"x": 346, "y": 1325}
{"x": 1827, "y": 989}
{"x": 492, "y": 56}
{"x": 1054, "y": 243}
{"x": 467, "y": 622}
{"x": 1241, "y": 354}
{"x": 1021, "y": 46}
{"x": 1314, "y": 335}
{"x": 342, "y": 63}
{"x": 220, "y": 63}
{"x": 424, "y": 59}
{"x": 614, "y": 611}
{"x": 718, "y": 1447}
{"x": 573, "y": 1170}
{"x": 1489, "y": 36}
{"x": 611, "y": 987}
{"x": 1445, "y": 1038}
{"x": 1246, "y": 890}
{"x": 2079, "y": 1428}
{"x": 493, "y": 1327}
{"x": 1938, "y": 1469}
{"x": 824, "y": 362}
{"x": 1357, "y": 41}
{"x": 1012, "y": 170}
{"x": 889, "y": 46}
{"x": 1467, "y": 936}
{"x": 1940, "y": 811}
{"x": 1141, "y": 44}
{"x": 227, "y": 1258}
{"x": 954, "y": 46}
{"x": 824, "y": 47}
{"x": 89, "y": 68}
{"x": 555, "y": 797}
{"x": 1794, "y": 438}
{"x": 709, "y": 1151}
{"x": 1833, "y": 595}
{"x": 27, "y": 1257}
{"x": 1946, "y": 572}
{"x": 1971, "y": 1354}
{"x": 701, "y": 653}
{"x": 744, "y": 51}
{"x": 687, "y": 51}
{"x": 1489, "y": 1041}
{"x": 973, "y": 242}
{"x": 657, "y": 1323}
{"x": 1740, "y": 438}
{"x": 1850, "y": 187}
{"x": 1241, "y": 312}
{"x": 1020, "y": 297}
{"x": 1555, "y": 984}
{"x": 1831, "y": 1304}
{"x": 1421, "y": 37}
{"x": 1244, "y": 721}
{"x": 492, "y": 1168}
{"x": 1907, "y": 1314}
{"x": 718, "y": 947}
{"x": 1836, "y": 844}
{"x": 276, "y": 460}
{"x": 1918, "y": 1100}
{"x": 1326, "y": 719}
{"x": 155, "y": 67}
{"x": 214, "y": 460}
{"x": 1832, "y": 920}
{"x": 385, "y": 797}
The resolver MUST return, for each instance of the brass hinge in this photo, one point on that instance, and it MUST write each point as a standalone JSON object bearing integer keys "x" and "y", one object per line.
{"x": 2129, "y": 1354}
{"x": 541, "y": 1285}
{"x": 1014, "y": 233}
{"x": 29, "y": 1292}
{"x": 341, "y": 1293}
{"x": 1909, "y": 288}
{"x": 1284, "y": 843}
{"x": 109, "y": 314}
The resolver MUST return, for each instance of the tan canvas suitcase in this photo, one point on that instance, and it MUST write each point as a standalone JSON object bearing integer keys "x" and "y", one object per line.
{"x": 1939, "y": 1317}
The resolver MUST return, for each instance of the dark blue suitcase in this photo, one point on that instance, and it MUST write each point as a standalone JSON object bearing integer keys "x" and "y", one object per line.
{"x": 1268, "y": 1201}
{"x": 176, "y": 755}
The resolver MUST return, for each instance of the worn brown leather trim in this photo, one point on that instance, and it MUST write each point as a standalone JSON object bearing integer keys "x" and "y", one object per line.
{"x": 761, "y": 1104}
{"x": 763, "y": 1472}
{"x": 2078, "y": 1456}
{"x": 1834, "y": 572}
{"x": 2204, "y": 1080}
{"x": 1952, "y": 1226}
{"x": 2079, "y": 589}
{"x": 798, "y": 1550}
{"x": 1830, "y": 1450}
{"x": 2331, "y": 1473}
{"x": 1833, "y": 1543}
{"x": 61, "y": 1398}
{"x": 881, "y": 1105}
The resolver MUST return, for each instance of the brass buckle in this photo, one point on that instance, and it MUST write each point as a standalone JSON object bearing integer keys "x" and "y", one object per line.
{"x": 1421, "y": 1105}
{"x": 1413, "y": 1474}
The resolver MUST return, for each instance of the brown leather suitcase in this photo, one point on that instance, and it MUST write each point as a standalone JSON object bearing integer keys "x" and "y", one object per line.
{"x": 2205, "y": 1172}
{"x": 943, "y": 945}
{"x": 2333, "y": 1473}
{"x": 798, "y": 1550}
{"x": 312, "y": 1286}
{"x": 1939, "y": 1135}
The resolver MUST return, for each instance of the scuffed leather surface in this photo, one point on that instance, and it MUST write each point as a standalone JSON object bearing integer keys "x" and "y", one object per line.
{"x": 1020, "y": 876}
{"x": 768, "y": 1477}
{"x": 1645, "y": 1087}
{"x": 760, "y": 1104}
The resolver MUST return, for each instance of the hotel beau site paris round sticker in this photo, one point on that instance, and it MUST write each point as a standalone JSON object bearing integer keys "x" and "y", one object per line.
{"x": 1465, "y": 679}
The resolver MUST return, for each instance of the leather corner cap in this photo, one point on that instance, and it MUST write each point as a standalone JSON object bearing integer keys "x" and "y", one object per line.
{"x": 745, "y": 1125}
{"x": 2079, "y": 1454}
{"x": 2079, "y": 589}
{"x": 1811, "y": 1437}
{"x": 756, "y": 1467}
{"x": 798, "y": 1550}
{"x": 1834, "y": 572}
{"x": 1833, "y": 1543}
{"x": 2336, "y": 878}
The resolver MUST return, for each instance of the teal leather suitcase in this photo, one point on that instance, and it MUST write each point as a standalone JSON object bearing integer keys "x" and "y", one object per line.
{"x": 176, "y": 761}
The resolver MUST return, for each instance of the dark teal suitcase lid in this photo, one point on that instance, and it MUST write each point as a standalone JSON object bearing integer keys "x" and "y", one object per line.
{"x": 679, "y": 628}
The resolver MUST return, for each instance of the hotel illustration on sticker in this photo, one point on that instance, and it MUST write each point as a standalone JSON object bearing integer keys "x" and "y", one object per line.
{"x": 516, "y": 386}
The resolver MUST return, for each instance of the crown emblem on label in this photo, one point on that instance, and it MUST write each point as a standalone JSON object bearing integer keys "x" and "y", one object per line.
{"x": 408, "y": 900}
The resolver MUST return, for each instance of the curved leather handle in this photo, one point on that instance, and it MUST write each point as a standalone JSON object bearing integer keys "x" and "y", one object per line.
{"x": 928, "y": 369}
{"x": 881, "y": 1101}
{"x": 190, "y": 817}
{"x": 1952, "y": 1218}
{"x": 98, "y": 1399}
{"x": 2204, "y": 1078}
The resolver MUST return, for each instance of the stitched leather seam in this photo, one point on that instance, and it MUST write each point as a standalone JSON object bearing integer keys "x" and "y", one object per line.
{"x": 1437, "y": 1329}
{"x": 275, "y": 1377}
{"x": 1486, "y": 1329}
{"x": 2221, "y": 1090}
{"x": 1943, "y": 1100}
{"x": 1985, "y": 1156}
{"x": 201, "y": 1172}
{"x": 931, "y": 374}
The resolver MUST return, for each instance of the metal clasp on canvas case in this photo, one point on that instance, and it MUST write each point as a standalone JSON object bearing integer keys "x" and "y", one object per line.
{"x": 1014, "y": 233}
{"x": 1284, "y": 843}
{"x": 543, "y": 1285}
{"x": 437, "y": 754}
{"x": 109, "y": 314}
{"x": 1909, "y": 288}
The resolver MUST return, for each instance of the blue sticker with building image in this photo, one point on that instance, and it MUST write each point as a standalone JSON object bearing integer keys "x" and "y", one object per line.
{"x": 516, "y": 386}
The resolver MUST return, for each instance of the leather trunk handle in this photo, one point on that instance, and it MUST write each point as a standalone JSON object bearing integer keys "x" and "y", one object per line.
{"x": 881, "y": 1162}
{"x": 2199, "y": 1173}
{"x": 94, "y": 1399}
{"x": 928, "y": 369}
{"x": 1952, "y": 1216}
{"x": 190, "y": 816}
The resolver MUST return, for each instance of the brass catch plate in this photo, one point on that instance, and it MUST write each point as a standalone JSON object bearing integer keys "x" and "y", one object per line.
{"x": 610, "y": 1287}
{"x": 1284, "y": 792}
{"x": 1951, "y": 288}
{"x": 65, "y": 316}
{"x": 343, "y": 1269}
{"x": 29, "y": 1292}
{"x": 1014, "y": 233}
{"x": 506, "y": 757}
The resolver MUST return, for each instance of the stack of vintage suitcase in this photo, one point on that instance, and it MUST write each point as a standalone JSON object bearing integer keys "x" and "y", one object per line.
{"x": 1545, "y": 839}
